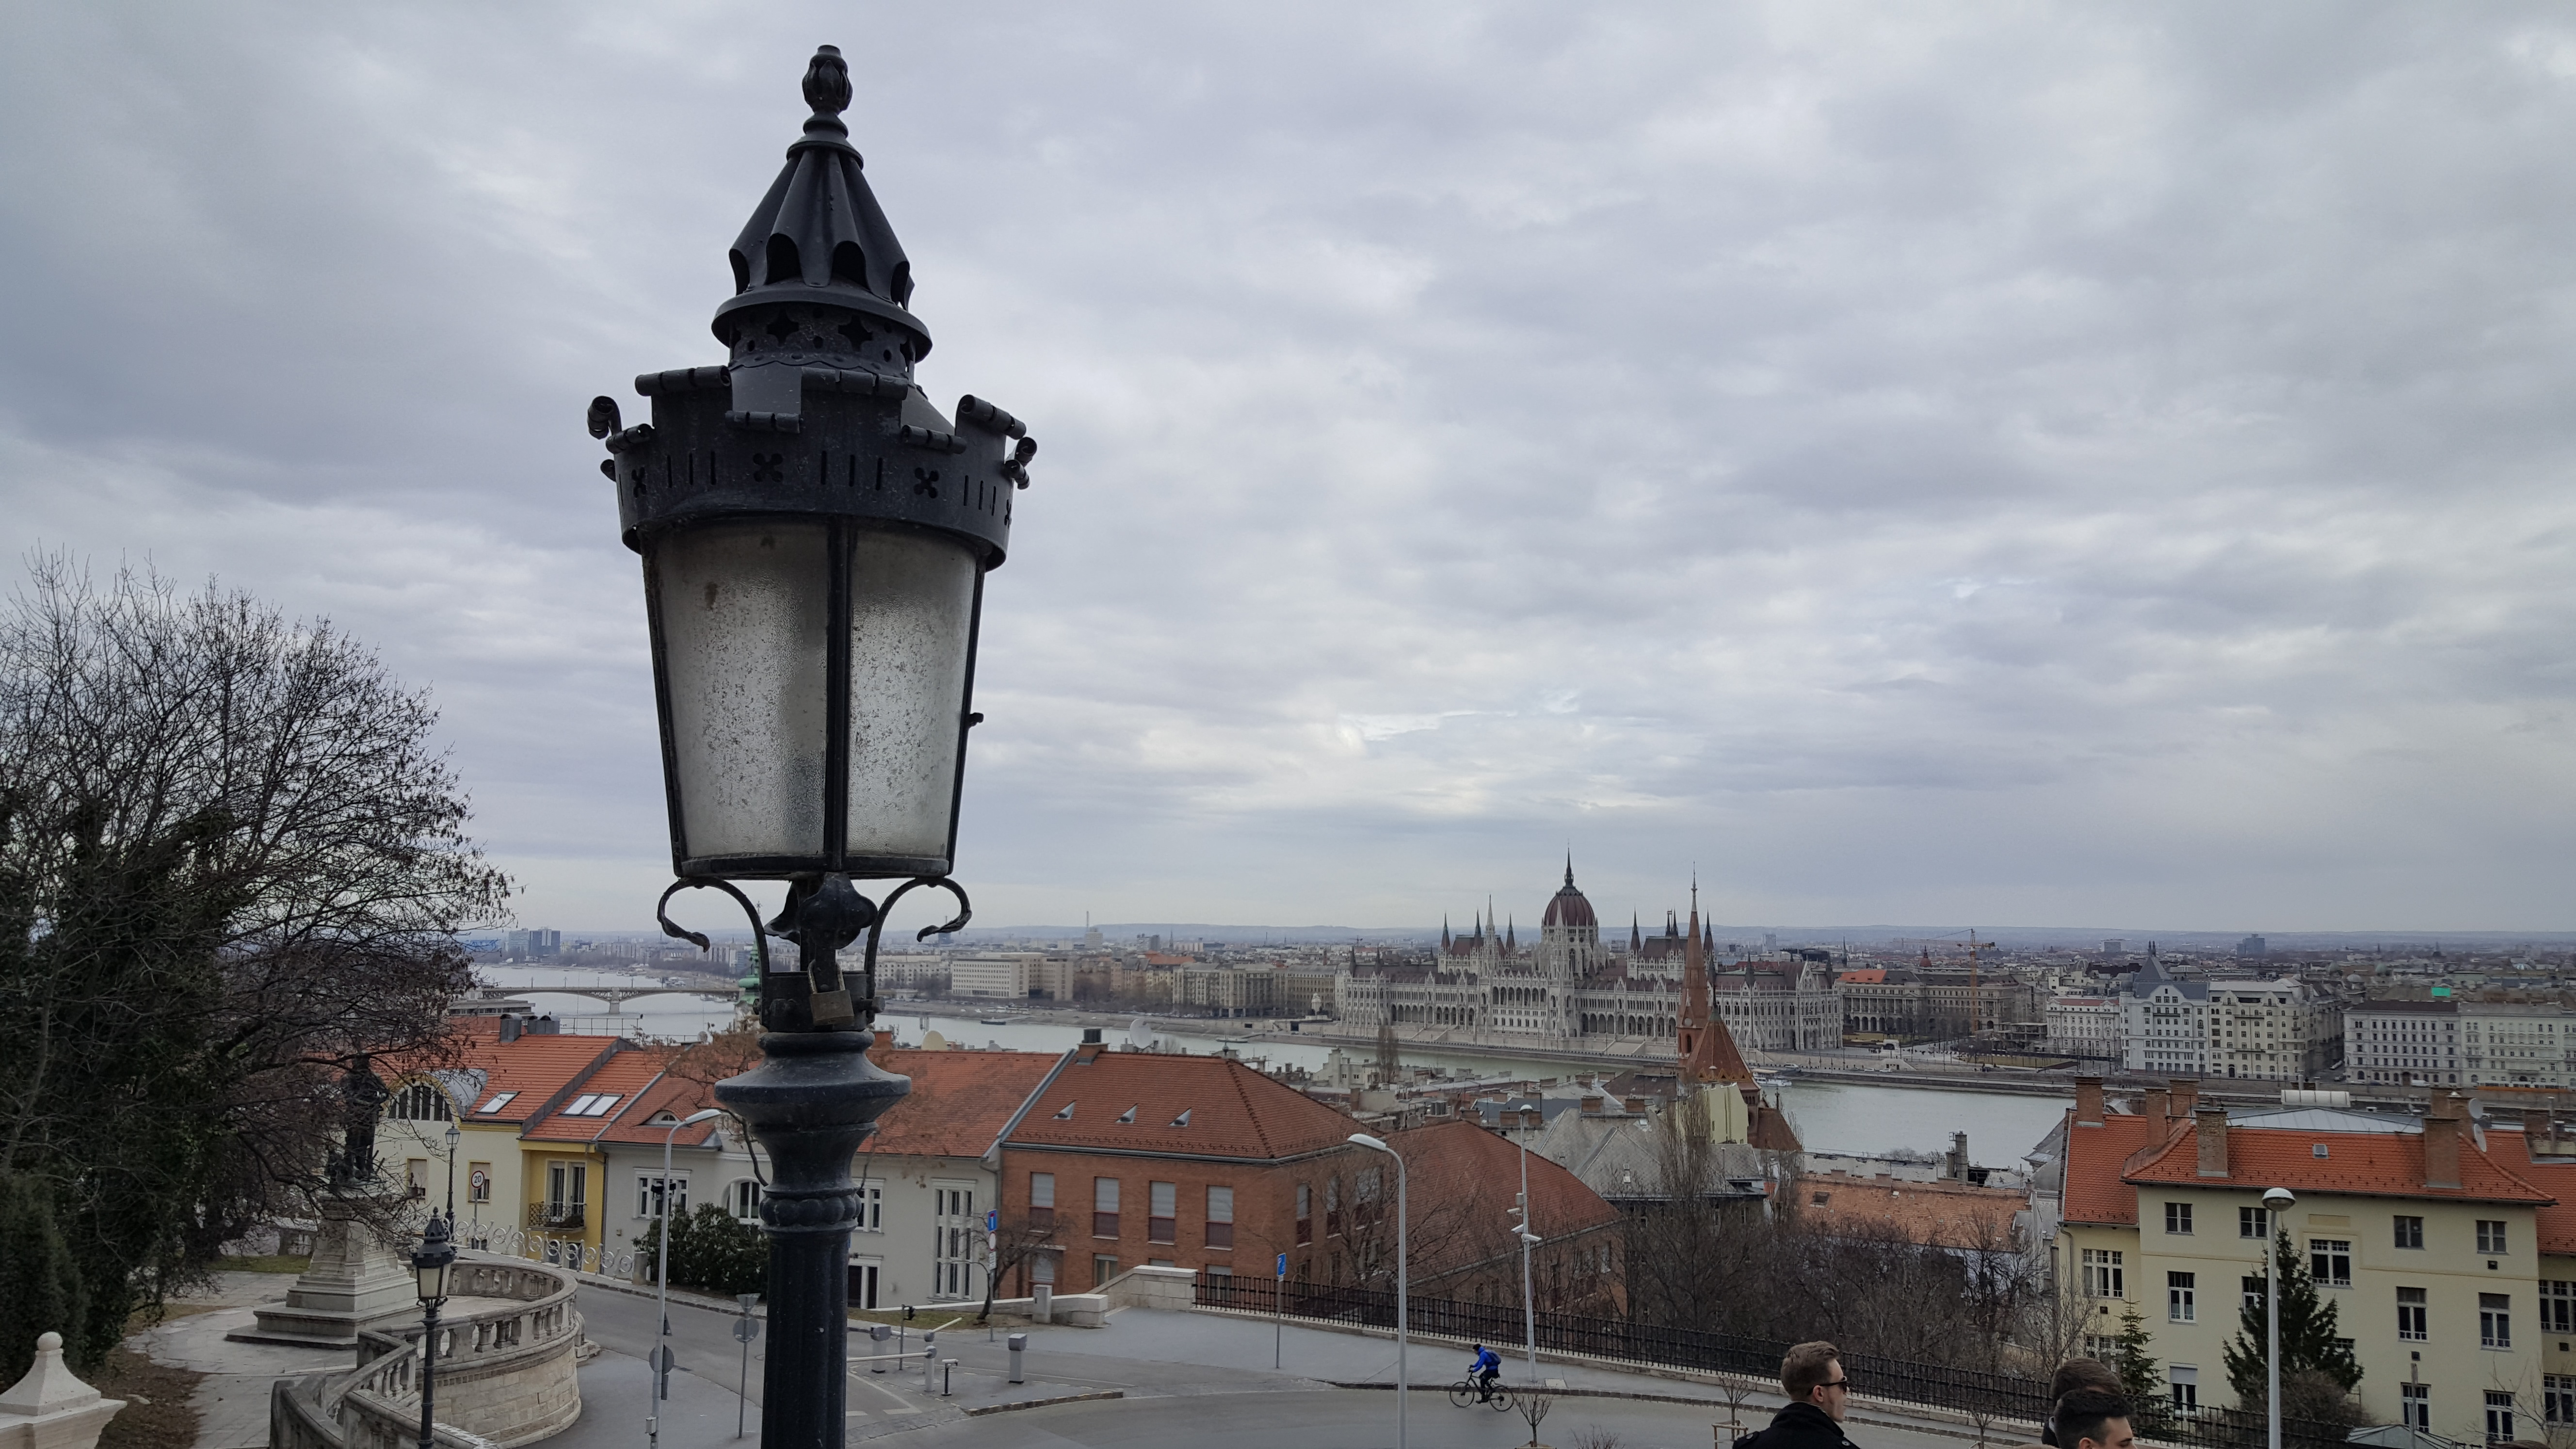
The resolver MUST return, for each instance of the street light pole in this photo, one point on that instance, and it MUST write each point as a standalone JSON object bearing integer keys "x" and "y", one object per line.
{"x": 2275, "y": 1202}
{"x": 1521, "y": 1230}
{"x": 452, "y": 1136}
{"x": 662, "y": 1278}
{"x": 430, "y": 1264}
{"x": 1403, "y": 1314}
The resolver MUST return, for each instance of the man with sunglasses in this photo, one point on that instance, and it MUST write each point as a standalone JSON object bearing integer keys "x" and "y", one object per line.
{"x": 1811, "y": 1374}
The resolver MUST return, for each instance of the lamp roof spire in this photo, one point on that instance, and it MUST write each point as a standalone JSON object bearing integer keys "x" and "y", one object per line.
{"x": 819, "y": 236}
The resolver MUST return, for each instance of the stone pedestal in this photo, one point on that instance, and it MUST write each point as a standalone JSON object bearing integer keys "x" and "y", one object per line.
{"x": 49, "y": 1409}
{"x": 354, "y": 1282}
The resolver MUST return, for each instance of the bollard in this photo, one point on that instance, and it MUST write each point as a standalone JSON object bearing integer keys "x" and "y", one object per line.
{"x": 1042, "y": 1303}
{"x": 947, "y": 1366}
{"x": 929, "y": 1352}
{"x": 878, "y": 1333}
{"x": 1019, "y": 1351}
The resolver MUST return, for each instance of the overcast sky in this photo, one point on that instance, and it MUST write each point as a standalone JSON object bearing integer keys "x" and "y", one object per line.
{"x": 1988, "y": 464}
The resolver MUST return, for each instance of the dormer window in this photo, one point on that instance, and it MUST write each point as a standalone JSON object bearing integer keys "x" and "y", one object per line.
{"x": 1182, "y": 1120}
{"x": 1066, "y": 1115}
{"x": 1128, "y": 1117}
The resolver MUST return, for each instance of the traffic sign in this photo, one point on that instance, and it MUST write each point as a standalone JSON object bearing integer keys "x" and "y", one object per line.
{"x": 746, "y": 1329}
{"x": 1283, "y": 1265}
{"x": 992, "y": 1220}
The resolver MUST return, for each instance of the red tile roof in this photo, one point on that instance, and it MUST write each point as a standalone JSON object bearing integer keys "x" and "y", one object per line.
{"x": 960, "y": 1101}
{"x": 1460, "y": 1181}
{"x": 1875, "y": 976}
{"x": 1234, "y": 1111}
{"x": 533, "y": 1067}
{"x": 633, "y": 1119}
{"x": 2367, "y": 1164}
{"x": 2095, "y": 1154}
{"x": 623, "y": 1076}
{"x": 1946, "y": 1214}
{"x": 2556, "y": 1223}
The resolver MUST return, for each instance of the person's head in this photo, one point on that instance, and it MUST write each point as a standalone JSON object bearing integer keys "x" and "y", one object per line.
{"x": 1812, "y": 1373}
{"x": 2082, "y": 1373}
{"x": 2094, "y": 1419}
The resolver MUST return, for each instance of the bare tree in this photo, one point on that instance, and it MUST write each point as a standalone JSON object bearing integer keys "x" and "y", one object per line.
{"x": 231, "y": 859}
{"x": 1020, "y": 1238}
{"x": 1532, "y": 1404}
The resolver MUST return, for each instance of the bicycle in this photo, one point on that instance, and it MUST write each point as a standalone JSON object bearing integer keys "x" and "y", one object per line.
{"x": 1465, "y": 1392}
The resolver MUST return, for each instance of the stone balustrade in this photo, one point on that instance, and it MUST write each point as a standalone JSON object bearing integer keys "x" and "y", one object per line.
{"x": 506, "y": 1374}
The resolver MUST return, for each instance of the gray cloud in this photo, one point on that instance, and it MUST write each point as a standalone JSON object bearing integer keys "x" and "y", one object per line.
{"x": 2046, "y": 465}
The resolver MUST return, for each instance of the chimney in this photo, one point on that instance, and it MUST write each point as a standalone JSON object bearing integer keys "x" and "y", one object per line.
{"x": 509, "y": 1028}
{"x": 1090, "y": 1048}
{"x": 2159, "y": 1106}
{"x": 1636, "y": 1105}
{"x": 2210, "y": 1123}
{"x": 885, "y": 1040}
{"x": 2535, "y": 1130}
{"x": 2442, "y": 1141}
{"x": 2088, "y": 1101}
{"x": 2186, "y": 1097}
{"x": 1592, "y": 1106}
{"x": 1533, "y": 1118}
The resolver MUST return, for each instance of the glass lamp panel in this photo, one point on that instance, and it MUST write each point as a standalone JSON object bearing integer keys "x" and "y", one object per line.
{"x": 744, "y": 627}
{"x": 912, "y": 605}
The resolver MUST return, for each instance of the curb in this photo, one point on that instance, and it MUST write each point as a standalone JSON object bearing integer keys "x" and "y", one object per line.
{"x": 1084, "y": 1397}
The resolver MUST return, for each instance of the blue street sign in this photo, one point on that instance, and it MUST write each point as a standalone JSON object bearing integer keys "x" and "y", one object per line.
{"x": 992, "y": 1220}
{"x": 1283, "y": 1265}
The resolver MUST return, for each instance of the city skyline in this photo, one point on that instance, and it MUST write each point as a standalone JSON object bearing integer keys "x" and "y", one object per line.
{"x": 2048, "y": 466}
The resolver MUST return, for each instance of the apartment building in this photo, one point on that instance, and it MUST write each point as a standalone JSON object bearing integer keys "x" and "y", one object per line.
{"x": 2441, "y": 1240}
{"x": 2404, "y": 1042}
{"x": 1012, "y": 976}
{"x": 2454, "y": 1043}
{"x": 2084, "y": 1026}
{"x": 2266, "y": 1029}
{"x": 1195, "y": 1162}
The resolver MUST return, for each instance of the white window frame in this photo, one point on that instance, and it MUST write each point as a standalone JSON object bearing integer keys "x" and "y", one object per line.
{"x": 2330, "y": 1262}
{"x": 957, "y": 1240}
{"x": 2182, "y": 1297}
{"x": 742, "y": 1199}
{"x": 871, "y": 1207}
{"x": 644, "y": 1182}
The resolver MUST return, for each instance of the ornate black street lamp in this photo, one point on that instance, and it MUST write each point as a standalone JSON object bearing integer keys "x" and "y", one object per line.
{"x": 815, "y": 535}
{"x": 431, "y": 1263}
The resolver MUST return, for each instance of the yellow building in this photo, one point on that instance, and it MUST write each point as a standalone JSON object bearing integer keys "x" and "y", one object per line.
{"x": 2440, "y": 1240}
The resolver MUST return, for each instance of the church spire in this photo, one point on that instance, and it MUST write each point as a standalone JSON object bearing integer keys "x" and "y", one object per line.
{"x": 1636, "y": 941}
{"x": 1569, "y": 866}
{"x": 1444, "y": 933}
{"x": 1510, "y": 942}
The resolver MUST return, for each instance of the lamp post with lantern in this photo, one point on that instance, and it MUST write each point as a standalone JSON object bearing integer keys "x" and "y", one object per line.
{"x": 431, "y": 1264}
{"x": 815, "y": 535}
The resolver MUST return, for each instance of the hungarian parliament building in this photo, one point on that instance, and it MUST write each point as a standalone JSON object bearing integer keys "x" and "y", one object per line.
{"x": 1570, "y": 989}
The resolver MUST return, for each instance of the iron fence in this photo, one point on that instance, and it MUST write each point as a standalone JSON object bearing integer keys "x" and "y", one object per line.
{"x": 1997, "y": 1398}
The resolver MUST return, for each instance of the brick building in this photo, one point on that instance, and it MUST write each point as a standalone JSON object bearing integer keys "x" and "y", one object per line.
{"x": 1177, "y": 1161}
{"x": 1463, "y": 1182}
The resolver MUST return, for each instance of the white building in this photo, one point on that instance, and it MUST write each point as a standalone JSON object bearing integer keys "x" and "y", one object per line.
{"x": 1014, "y": 976}
{"x": 2244, "y": 1027}
{"x": 2087, "y": 1026}
{"x": 2404, "y": 1043}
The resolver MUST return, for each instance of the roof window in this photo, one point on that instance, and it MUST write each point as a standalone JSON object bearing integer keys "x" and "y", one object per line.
{"x": 592, "y": 1104}
{"x": 499, "y": 1101}
{"x": 1128, "y": 1117}
{"x": 1182, "y": 1120}
{"x": 2319, "y": 1150}
{"x": 1066, "y": 1115}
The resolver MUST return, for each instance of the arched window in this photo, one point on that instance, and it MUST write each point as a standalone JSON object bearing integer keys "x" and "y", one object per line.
{"x": 419, "y": 1102}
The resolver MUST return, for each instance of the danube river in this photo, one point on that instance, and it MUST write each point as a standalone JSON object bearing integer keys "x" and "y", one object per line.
{"x": 1830, "y": 1116}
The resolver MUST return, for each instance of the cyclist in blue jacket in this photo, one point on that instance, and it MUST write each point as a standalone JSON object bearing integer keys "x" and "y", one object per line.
{"x": 1483, "y": 1371}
